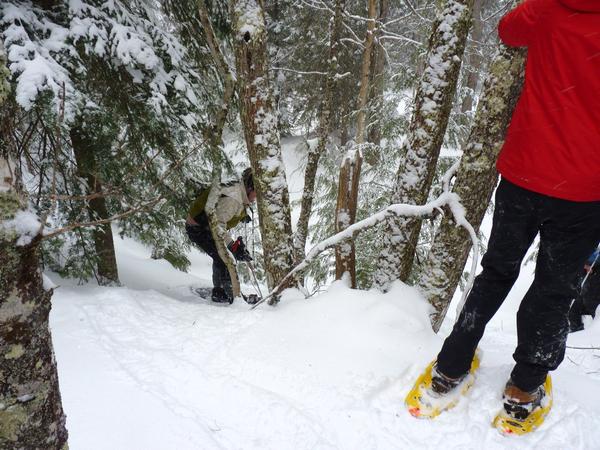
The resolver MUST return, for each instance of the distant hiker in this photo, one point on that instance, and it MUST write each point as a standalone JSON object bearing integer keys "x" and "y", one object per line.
{"x": 550, "y": 168}
{"x": 589, "y": 298}
{"x": 230, "y": 210}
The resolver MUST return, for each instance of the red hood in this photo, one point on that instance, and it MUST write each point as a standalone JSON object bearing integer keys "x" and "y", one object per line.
{"x": 583, "y": 5}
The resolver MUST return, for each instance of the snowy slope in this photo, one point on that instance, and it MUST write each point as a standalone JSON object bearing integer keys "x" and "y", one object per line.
{"x": 152, "y": 366}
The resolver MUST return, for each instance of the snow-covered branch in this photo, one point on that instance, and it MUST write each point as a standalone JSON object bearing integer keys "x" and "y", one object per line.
{"x": 448, "y": 199}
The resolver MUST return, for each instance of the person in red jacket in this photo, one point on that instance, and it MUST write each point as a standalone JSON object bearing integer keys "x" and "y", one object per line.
{"x": 550, "y": 185}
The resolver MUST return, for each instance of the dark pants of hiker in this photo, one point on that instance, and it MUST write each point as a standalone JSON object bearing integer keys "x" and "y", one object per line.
{"x": 589, "y": 298}
{"x": 568, "y": 232}
{"x": 202, "y": 237}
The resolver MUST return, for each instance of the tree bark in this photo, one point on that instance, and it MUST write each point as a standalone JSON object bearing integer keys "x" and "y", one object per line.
{"x": 214, "y": 136}
{"x": 84, "y": 149}
{"x": 345, "y": 215}
{"x": 433, "y": 102}
{"x": 31, "y": 414}
{"x": 475, "y": 60}
{"x": 314, "y": 155}
{"x": 347, "y": 200}
{"x": 378, "y": 76}
{"x": 259, "y": 119}
{"x": 475, "y": 181}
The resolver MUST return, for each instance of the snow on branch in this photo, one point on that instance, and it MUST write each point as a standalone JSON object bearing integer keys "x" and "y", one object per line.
{"x": 446, "y": 199}
{"x": 44, "y": 50}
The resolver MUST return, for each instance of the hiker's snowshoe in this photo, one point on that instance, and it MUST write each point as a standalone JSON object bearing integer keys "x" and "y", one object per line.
{"x": 433, "y": 393}
{"x": 251, "y": 299}
{"x": 517, "y": 418}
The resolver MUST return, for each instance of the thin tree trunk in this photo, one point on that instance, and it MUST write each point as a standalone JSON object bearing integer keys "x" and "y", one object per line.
{"x": 214, "y": 136}
{"x": 433, "y": 102}
{"x": 84, "y": 149}
{"x": 475, "y": 181}
{"x": 314, "y": 155}
{"x": 475, "y": 60}
{"x": 363, "y": 93}
{"x": 345, "y": 254}
{"x": 259, "y": 119}
{"x": 31, "y": 414}
{"x": 347, "y": 200}
{"x": 378, "y": 76}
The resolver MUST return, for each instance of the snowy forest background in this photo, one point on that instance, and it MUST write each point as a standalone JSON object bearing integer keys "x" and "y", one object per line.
{"x": 114, "y": 114}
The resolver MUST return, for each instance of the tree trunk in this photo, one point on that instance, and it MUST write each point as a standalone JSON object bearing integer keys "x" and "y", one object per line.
{"x": 433, "y": 102}
{"x": 363, "y": 93}
{"x": 474, "y": 58}
{"x": 314, "y": 155}
{"x": 84, "y": 148}
{"x": 475, "y": 181}
{"x": 378, "y": 77}
{"x": 259, "y": 119}
{"x": 31, "y": 414}
{"x": 347, "y": 200}
{"x": 345, "y": 215}
{"x": 214, "y": 136}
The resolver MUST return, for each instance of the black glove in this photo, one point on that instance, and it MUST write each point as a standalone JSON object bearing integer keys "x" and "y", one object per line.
{"x": 239, "y": 251}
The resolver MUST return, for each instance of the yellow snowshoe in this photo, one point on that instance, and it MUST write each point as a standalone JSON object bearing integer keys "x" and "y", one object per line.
{"x": 422, "y": 402}
{"x": 509, "y": 425}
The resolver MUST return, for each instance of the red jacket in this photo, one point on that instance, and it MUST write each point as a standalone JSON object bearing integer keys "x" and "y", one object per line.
{"x": 553, "y": 141}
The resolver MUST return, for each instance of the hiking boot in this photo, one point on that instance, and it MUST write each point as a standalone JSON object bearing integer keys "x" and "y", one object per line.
{"x": 442, "y": 384}
{"x": 220, "y": 296}
{"x": 519, "y": 404}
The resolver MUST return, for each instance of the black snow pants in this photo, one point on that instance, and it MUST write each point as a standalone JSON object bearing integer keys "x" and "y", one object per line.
{"x": 568, "y": 231}
{"x": 201, "y": 236}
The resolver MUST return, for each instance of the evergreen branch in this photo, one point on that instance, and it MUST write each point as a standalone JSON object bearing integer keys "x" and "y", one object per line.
{"x": 57, "y": 148}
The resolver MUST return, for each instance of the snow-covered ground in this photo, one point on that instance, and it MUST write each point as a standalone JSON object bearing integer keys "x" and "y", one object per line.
{"x": 151, "y": 366}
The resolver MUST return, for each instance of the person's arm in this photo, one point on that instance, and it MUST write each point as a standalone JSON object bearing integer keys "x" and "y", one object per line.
{"x": 516, "y": 28}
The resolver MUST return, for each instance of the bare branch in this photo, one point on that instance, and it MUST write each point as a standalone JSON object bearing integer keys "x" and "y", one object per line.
{"x": 130, "y": 211}
{"x": 446, "y": 199}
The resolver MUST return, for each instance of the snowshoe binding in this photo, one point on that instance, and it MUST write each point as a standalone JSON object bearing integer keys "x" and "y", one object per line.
{"x": 434, "y": 393}
{"x": 520, "y": 417}
{"x": 251, "y": 299}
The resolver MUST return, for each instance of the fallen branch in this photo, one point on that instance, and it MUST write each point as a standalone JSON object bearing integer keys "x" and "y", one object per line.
{"x": 448, "y": 199}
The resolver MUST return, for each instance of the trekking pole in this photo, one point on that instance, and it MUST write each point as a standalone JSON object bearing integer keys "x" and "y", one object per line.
{"x": 590, "y": 271}
{"x": 256, "y": 285}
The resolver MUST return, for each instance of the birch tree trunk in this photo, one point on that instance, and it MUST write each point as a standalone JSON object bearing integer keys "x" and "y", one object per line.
{"x": 84, "y": 149}
{"x": 347, "y": 200}
{"x": 214, "y": 136}
{"x": 314, "y": 155}
{"x": 259, "y": 119}
{"x": 31, "y": 414}
{"x": 475, "y": 180}
{"x": 433, "y": 102}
